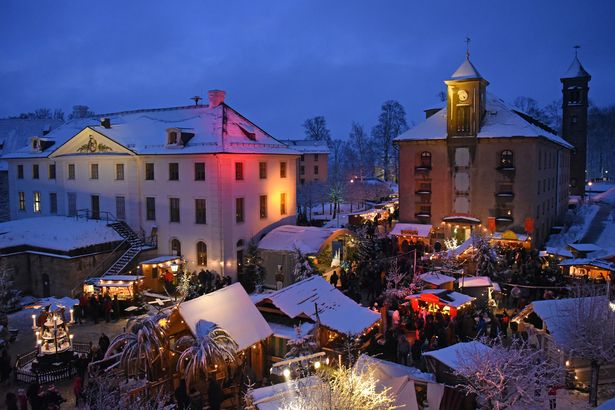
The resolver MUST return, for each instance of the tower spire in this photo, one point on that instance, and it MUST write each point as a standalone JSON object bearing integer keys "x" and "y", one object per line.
{"x": 468, "y": 48}
{"x": 576, "y": 50}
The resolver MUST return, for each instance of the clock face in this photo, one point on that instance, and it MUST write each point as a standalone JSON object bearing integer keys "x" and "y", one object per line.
{"x": 462, "y": 95}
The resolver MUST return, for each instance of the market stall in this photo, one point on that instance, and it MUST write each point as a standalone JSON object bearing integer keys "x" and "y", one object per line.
{"x": 159, "y": 270}
{"x": 126, "y": 287}
{"x": 594, "y": 269}
{"x": 439, "y": 301}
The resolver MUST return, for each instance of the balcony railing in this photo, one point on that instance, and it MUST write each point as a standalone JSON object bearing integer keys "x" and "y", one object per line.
{"x": 422, "y": 168}
{"x": 423, "y": 192}
{"x": 505, "y": 194}
{"x": 423, "y": 214}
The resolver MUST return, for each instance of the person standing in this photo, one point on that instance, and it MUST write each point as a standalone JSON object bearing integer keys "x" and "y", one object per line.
{"x": 334, "y": 278}
{"x": 77, "y": 389}
{"x": 214, "y": 394}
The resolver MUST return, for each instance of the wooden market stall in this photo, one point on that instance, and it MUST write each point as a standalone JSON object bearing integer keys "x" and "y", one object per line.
{"x": 439, "y": 300}
{"x": 126, "y": 287}
{"x": 158, "y": 270}
{"x": 594, "y": 269}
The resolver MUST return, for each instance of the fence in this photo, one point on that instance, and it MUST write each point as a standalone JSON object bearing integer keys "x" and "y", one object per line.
{"x": 25, "y": 374}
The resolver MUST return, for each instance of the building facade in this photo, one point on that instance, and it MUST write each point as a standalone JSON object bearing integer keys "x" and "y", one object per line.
{"x": 478, "y": 163}
{"x": 313, "y": 164}
{"x": 203, "y": 180}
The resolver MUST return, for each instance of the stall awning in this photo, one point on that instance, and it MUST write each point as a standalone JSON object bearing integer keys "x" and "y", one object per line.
{"x": 161, "y": 259}
{"x": 462, "y": 219}
{"x": 406, "y": 229}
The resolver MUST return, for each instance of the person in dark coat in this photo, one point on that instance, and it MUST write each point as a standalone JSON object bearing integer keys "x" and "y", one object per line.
{"x": 214, "y": 394}
{"x": 116, "y": 308}
{"x": 103, "y": 343}
{"x": 181, "y": 396}
{"x": 334, "y": 278}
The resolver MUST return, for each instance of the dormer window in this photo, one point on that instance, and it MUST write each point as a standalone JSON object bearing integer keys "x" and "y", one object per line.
{"x": 36, "y": 144}
{"x": 248, "y": 131}
{"x": 172, "y": 137}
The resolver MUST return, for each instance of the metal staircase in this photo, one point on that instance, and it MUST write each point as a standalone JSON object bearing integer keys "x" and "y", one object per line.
{"x": 136, "y": 246}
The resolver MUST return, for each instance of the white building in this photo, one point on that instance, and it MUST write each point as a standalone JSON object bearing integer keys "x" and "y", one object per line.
{"x": 203, "y": 179}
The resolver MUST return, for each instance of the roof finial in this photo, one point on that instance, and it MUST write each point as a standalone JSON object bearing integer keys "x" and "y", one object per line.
{"x": 468, "y": 48}
{"x": 196, "y": 99}
{"x": 576, "y": 50}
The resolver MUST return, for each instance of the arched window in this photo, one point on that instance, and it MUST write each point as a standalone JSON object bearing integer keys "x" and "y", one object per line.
{"x": 240, "y": 256}
{"x": 426, "y": 159}
{"x": 176, "y": 247}
{"x": 506, "y": 158}
{"x": 201, "y": 253}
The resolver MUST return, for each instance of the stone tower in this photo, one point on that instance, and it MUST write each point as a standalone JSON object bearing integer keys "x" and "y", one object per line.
{"x": 575, "y": 89}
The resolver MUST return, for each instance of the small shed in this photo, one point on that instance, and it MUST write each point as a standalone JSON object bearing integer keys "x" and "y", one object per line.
{"x": 411, "y": 233}
{"x": 478, "y": 286}
{"x": 437, "y": 280}
{"x": 444, "y": 362}
{"x": 126, "y": 287}
{"x": 232, "y": 309}
{"x": 278, "y": 247}
{"x": 315, "y": 300}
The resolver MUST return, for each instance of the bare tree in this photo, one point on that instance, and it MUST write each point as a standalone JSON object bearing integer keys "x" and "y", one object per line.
{"x": 316, "y": 129}
{"x": 391, "y": 123}
{"x": 359, "y": 139}
{"x": 589, "y": 329}
{"x": 505, "y": 376}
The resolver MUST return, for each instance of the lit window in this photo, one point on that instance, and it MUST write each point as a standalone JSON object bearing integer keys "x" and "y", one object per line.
{"x": 283, "y": 204}
{"x": 201, "y": 253}
{"x": 283, "y": 169}
{"x": 506, "y": 158}
{"x": 37, "y": 202}
{"x": 263, "y": 206}
{"x": 22, "y": 201}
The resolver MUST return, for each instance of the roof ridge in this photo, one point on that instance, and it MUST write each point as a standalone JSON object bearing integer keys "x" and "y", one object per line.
{"x": 141, "y": 110}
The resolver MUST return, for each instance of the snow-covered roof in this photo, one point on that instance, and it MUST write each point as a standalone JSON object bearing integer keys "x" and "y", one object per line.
{"x": 160, "y": 259}
{"x": 421, "y": 230}
{"x": 15, "y": 133}
{"x": 128, "y": 278}
{"x": 230, "y": 308}
{"x": 589, "y": 262}
{"x": 307, "y": 146}
{"x": 289, "y": 332}
{"x": 436, "y": 278}
{"x": 466, "y": 71}
{"x": 584, "y": 247}
{"x": 559, "y": 252}
{"x": 144, "y": 132}
{"x": 308, "y": 239}
{"x": 576, "y": 69}
{"x": 501, "y": 121}
{"x": 446, "y": 297}
{"x": 555, "y": 314}
{"x": 336, "y": 311}
{"x": 56, "y": 233}
{"x": 453, "y": 356}
{"x": 607, "y": 405}
{"x": 388, "y": 370}
{"x": 475, "y": 282}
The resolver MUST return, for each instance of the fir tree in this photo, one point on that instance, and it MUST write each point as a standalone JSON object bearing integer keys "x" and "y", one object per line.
{"x": 303, "y": 268}
{"x": 485, "y": 256}
{"x": 253, "y": 271}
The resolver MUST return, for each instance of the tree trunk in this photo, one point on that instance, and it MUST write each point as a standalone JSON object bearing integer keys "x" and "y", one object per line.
{"x": 593, "y": 384}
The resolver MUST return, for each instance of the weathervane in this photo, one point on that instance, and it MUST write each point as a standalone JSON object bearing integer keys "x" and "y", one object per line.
{"x": 467, "y": 47}
{"x": 576, "y": 50}
{"x": 196, "y": 99}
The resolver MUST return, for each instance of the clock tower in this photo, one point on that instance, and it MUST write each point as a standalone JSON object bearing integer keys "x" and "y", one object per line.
{"x": 575, "y": 89}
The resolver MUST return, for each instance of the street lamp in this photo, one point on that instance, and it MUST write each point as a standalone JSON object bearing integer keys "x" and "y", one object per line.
{"x": 174, "y": 267}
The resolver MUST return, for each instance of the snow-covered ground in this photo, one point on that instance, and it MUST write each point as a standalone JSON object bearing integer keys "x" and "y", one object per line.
{"x": 583, "y": 221}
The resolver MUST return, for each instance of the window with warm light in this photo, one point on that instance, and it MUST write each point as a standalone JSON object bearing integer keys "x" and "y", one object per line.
{"x": 263, "y": 206}
{"x": 283, "y": 204}
{"x": 22, "y": 201}
{"x": 283, "y": 169}
{"x": 201, "y": 253}
{"x": 37, "y": 202}
{"x": 506, "y": 158}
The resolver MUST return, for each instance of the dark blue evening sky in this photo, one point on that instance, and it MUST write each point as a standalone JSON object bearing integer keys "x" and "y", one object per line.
{"x": 281, "y": 62}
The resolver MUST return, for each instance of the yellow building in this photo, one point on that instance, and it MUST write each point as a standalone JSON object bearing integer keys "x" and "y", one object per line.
{"x": 478, "y": 163}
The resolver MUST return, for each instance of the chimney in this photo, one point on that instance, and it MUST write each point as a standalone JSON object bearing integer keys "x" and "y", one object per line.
{"x": 105, "y": 122}
{"x": 431, "y": 111}
{"x": 216, "y": 97}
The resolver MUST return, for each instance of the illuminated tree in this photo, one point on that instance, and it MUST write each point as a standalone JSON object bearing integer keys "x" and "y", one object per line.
{"x": 485, "y": 255}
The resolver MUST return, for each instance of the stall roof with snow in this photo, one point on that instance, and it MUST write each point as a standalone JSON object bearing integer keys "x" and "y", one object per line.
{"x": 597, "y": 263}
{"x": 565, "y": 253}
{"x": 230, "y": 308}
{"x": 475, "y": 282}
{"x": 408, "y": 229}
{"x": 54, "y": 233}
{"x": 388, "y": 370}
{"x": 555, "y": 314}
{"x": 453, "y": 356}
{"x": 435, "y": 278}
{"x": 336, "y": 311}
{"x": 584, "y": 247}
{"x": 443, "y": 297}
{"x": 308, "y": 239}
{"x": 160, "y": 259}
